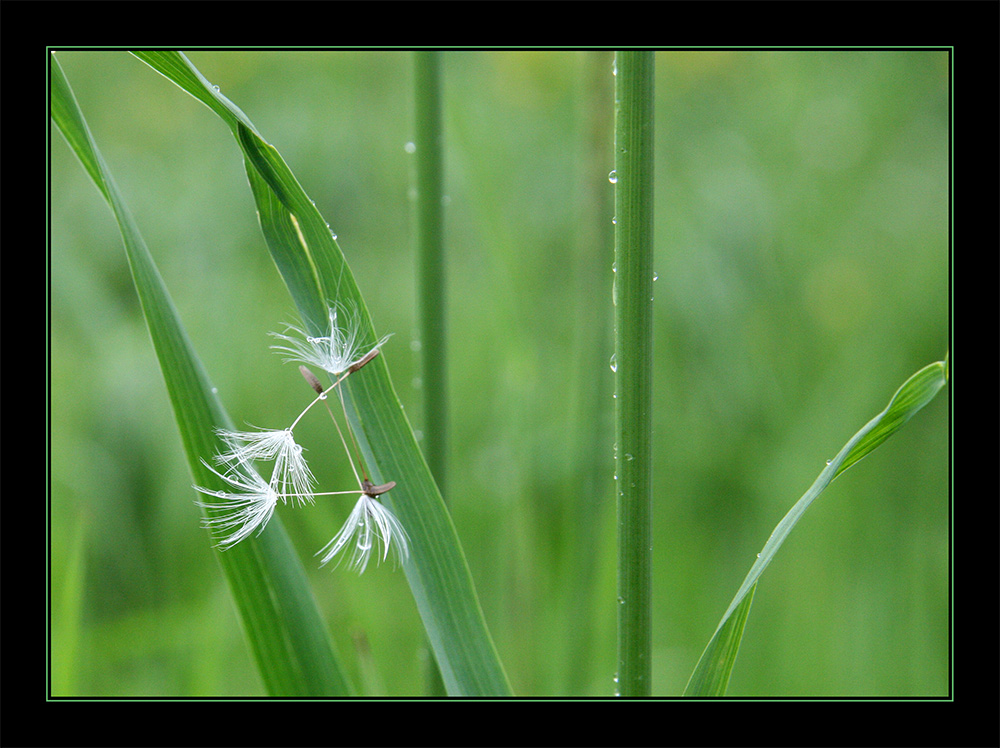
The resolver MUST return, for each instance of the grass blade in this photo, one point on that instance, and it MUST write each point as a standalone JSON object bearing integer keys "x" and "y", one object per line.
{"x": 287, "y": 637}
{"x": 315, "y": 272}
{"x": 711, "y": 674}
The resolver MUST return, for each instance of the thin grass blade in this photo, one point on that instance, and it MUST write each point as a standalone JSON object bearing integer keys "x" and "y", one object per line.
{"x": 711, "y": 674}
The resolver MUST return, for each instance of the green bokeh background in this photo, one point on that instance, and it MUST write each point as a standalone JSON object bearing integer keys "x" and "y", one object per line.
{"x": 802, "y": 261}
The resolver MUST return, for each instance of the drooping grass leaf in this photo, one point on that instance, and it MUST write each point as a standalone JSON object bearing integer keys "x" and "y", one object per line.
{"x": 711, "y": 674}
{"x": 287, "y": 637}
{"x": 316, "y": 274}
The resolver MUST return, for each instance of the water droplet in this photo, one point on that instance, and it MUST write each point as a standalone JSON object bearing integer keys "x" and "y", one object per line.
{"x": 614, "y": 363}
{"x": 322, "y": 396}
{"x": 614, "y": 267}
{"x": 828, "y": 462}
{"x": 656, "y": 276}
{"x": 215, "y": 390}
{"x": 614, "y": 220}
{"x": 613, "y": 177}
{"x": 758, "y": 555}
{"x": 621, "y": 601}
{"x": 629, "y": 457}
{"x": 410, "y": 147}
{"x": 216, "y": 89}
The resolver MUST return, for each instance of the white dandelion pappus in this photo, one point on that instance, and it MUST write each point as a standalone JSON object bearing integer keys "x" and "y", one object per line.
{"x": 336, "y": 352}
{"x": 244, "y": 510}
{"x": 290, "y": 477}
{"x": 372, "y": 523}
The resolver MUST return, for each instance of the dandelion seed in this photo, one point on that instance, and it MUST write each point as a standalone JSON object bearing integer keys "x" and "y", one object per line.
{"x": 342, "y": 349}
{"x": 369, "y": 524}
{"x": 249, "y": 501}
{"x": 290, "y": 475}
{"x": 244, "y": 510}
{"x": 311, "y": 379}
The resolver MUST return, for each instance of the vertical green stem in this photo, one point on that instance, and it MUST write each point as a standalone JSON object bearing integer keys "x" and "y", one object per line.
{"x": 430, "y": 259}
{"x": 428, "y": 185}
{"x": 633, "y": 363}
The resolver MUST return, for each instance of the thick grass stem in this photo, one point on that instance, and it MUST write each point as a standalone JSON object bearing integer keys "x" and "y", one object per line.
{"x": 633, "y": 178}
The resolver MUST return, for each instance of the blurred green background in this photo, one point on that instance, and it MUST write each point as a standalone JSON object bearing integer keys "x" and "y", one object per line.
{"x": 802, "y": 261}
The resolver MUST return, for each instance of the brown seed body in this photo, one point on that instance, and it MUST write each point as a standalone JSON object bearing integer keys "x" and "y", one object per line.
{"x": 358, "y": 364}
{"x": 311, "y": 378}
{"x": 371, "y": 490}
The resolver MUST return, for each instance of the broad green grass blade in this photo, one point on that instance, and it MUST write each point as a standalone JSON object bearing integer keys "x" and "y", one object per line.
{"x": 287, "y": 637}
{"x": 314, "y": 270}
{"x": 711, "y": 674}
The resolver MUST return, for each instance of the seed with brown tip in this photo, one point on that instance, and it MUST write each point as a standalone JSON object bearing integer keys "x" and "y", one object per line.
{"x": 311, "y": 378}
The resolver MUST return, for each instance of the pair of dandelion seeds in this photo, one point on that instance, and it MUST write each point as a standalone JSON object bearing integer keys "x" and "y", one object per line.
{"x": 248, "y": 506}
